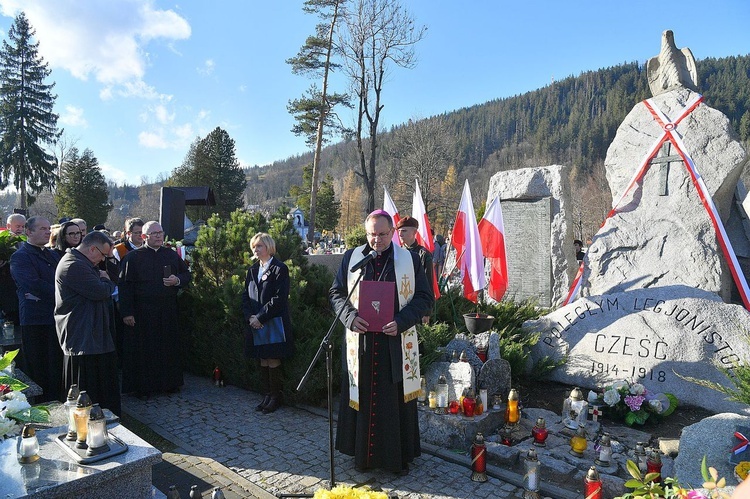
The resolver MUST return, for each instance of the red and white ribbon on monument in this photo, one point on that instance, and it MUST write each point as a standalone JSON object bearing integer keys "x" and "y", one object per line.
{"x": 670, "y": 134}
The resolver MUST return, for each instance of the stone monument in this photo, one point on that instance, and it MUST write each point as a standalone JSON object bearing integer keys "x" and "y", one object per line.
{"x": 653, "y": 302}
{"x": 538, "y": 232}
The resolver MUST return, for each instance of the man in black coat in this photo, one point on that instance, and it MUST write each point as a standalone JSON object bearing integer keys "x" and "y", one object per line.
{"x": 33, "y": 269}
{"x": 378, "y": 422}
{"x": 83, "y": 308}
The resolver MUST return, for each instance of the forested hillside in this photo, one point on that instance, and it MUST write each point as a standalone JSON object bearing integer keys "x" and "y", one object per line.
{"x": 571, "y": 122}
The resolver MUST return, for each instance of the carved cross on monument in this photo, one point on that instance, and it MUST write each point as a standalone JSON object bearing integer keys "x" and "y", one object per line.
{"x": 663, "y": 159}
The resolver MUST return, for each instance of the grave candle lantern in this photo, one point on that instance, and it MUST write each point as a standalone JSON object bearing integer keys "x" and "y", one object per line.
{"x": 640, "y": 456}
{"x": 442, "y": 395}
{"x": 97, "y": 432}
{"x": 81, "y": 415}
{"x": 422, "y": 397}
{"x": 605, "y": 450}
{"x": 531, "y": 478}
{"x": 512, "y": 413}
{"x": 578, "y": 442}
{"x": 592, "y": 485}
{"x": 70, "y": 406}
{"x": 506, "y": 436}
{"x": 28, "y": 445}
{"x": 540, "y": 433}
{"x": 469, "y": 404}
{"x": 453, "y": 407}
{"x": 577, "y": 409}
{"x": 432, "y": 398}
{"x": 479, "y": 459}
{"x": 483, "y": 398}
{"x": 653, "y": 464}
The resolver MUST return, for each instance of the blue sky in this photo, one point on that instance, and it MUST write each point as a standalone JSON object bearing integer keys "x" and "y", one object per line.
{"x": 138, "y": 80}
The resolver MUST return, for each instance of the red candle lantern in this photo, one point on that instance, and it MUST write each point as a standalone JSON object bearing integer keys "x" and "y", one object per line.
{"x": 217, "y": 376}
{"x": 479, "y": 459}
{"x": 469, "y": 403}
{"x": 540, "y": 433}
{"x": 653, "y": 464}
{"x": 592, "y": 485}
{"x": 453, "y": 407}
{"x": 506, "y": 436}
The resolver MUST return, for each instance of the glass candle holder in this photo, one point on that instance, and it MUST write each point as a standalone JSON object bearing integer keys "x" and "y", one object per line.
{"x": 422, "y": 397}
{"x": 540, "y": 433}
{"x": 653, "y": 464}
{"x": 592, "y": 485}
{"x": 605, "y": 450}
{"x": 442, "y": 395}
{"x": 70, "y": 406}
{"x": 578, "y": 442}
{"x": 81, "y": 416}
{"x": 97, "y": 438}
{"x": 468, "y": 405}
{"x": 453, "y": 407}
{"x": 531, "y": 478}
{"x": 28, "y": 445}
{"x": 432, "y": 399}
{"x": 479, "y": 459}
{"x": 512, "y": 413}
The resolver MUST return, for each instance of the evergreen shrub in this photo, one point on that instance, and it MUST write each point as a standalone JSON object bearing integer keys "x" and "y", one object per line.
{"x": 212, "y": 309}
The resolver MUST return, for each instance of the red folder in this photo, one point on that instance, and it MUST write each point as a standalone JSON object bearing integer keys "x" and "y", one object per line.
{"x": 376, "y": 300}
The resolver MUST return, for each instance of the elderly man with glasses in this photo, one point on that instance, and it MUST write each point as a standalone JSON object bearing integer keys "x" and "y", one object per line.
{"x": 83, "y": 308}
{"x": 150, "y": 278}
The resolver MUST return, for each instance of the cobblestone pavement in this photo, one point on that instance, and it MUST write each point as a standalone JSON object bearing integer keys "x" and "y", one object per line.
{"x": 287, "y": 452}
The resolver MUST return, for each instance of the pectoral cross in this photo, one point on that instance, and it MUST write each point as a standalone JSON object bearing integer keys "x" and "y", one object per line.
{"x": 663, "y": 159}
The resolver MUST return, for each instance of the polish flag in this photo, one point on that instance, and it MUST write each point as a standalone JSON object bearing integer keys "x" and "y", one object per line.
{"x": 492, "y": 234}
{"x": 390, "y": 207}
{"x": 465, "y": 239}
{"x": 424, "y": 232}
{"x": 418, "y": 211}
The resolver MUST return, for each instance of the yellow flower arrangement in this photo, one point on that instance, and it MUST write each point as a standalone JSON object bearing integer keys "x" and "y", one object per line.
{"x": 345, "y": 492}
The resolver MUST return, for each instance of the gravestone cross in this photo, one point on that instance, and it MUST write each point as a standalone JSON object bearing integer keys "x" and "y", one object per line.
{"x": 663, "y": 160}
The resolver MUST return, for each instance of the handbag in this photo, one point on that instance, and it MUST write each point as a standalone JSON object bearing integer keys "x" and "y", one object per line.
{"x": 271, "y": 332}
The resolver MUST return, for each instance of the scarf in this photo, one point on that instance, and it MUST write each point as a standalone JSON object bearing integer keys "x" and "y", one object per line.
{"x": 403, "y": 267}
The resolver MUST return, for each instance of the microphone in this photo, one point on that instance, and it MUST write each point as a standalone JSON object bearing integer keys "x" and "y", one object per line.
{"x": 370, "y": 256}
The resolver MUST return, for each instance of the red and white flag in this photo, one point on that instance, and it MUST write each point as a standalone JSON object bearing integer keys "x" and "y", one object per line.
{"x": 424, "y": 232}
{"x": 418, "y": 211}
{"x": 465, "y": 238}
{"x": 390, "y": 207}
{"x": 492, "y": 235}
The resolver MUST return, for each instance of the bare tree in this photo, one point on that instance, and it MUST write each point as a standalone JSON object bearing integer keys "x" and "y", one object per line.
{"x": 423, "y": 149}
{"x": 375, "y": 35}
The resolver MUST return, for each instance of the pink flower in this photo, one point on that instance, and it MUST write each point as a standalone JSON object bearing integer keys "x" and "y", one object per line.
{"x": 634, "y": 401}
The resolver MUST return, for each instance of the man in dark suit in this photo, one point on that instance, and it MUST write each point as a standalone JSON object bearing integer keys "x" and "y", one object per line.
{"x": 33, "y": 269}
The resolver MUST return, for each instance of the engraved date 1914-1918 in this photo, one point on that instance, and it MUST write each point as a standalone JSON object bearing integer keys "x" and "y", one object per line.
{"x": 632, "y": 372}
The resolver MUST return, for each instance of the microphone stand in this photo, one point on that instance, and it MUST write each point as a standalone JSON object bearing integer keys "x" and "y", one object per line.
{"x": 326, "y": 345}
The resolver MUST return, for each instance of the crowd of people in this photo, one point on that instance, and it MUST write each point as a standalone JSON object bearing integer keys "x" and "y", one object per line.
{"x": 101, "y": 312}
{"x": 95, "y": 307}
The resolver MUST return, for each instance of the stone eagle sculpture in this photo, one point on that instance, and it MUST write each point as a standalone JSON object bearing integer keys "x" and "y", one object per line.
{"x": 672, "y": 68}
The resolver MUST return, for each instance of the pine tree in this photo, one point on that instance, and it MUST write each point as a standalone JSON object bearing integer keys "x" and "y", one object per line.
{"x": 82, "y": 191}
{"x": 26, "y": 118}
{"x": 329, "y": 210}
{"x": 314, "y": 111}
{"x": 212, "y": 162}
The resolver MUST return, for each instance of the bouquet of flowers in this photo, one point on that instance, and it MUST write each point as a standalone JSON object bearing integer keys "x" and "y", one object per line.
{"x": 345, "y": 492}
{"x": 633, "y": 402}
{"x": 14, "y": 408}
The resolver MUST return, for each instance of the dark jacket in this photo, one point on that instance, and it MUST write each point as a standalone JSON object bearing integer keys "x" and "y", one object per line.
{"x": 83, "y": 306}
{"x": 273, "y": 301}
{"x": 33, "y": 269}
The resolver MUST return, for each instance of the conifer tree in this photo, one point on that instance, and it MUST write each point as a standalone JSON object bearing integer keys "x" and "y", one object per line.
{"x": 27, "y": 122}
{"x": 212, "y": 162}
{"x": 82, "y": 191}
{"x": 314, "y": 111}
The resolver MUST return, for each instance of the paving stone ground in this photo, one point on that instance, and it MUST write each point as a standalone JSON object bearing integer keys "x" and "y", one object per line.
{"x": 222, "y": 441}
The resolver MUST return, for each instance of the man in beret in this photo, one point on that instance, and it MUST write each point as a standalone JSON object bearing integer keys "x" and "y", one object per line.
{"x": 407, "y": 233}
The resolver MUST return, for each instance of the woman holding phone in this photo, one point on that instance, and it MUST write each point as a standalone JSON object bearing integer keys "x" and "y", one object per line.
{"x": 268, "y": 329}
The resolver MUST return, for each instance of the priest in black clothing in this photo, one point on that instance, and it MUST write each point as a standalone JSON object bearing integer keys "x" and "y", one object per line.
{"x": 150, "y": 278}
{"x": 380, "y": 369}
